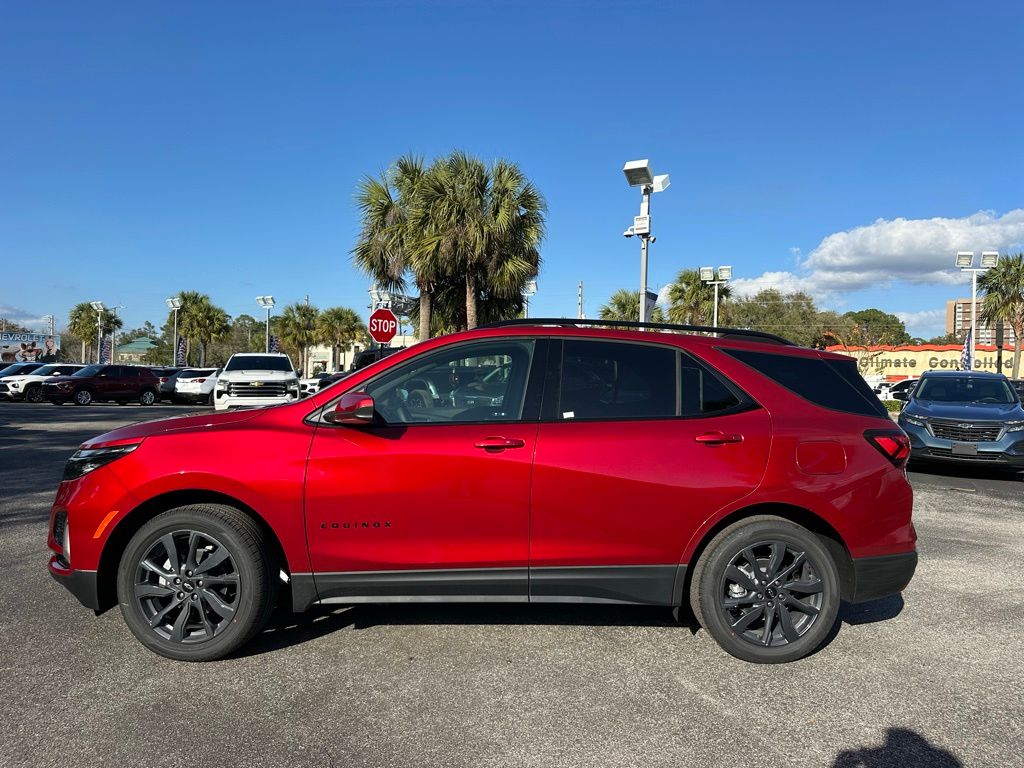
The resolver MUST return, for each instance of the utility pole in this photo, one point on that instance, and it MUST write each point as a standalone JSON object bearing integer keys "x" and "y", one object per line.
{"x": 638, "y": 174}
{"x": 579, "y": 302}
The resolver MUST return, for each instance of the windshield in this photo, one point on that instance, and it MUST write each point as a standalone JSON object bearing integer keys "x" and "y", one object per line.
{"x": 17, "y": 368}
{"x": 46, "y": 370}
{"x": 89, "y": 370}
{"x": 966, "y": 389}
{"x": 259, "y": 363}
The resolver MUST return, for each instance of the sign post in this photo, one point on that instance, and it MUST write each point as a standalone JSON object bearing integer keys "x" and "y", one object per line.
{"x": 383, "y": 325}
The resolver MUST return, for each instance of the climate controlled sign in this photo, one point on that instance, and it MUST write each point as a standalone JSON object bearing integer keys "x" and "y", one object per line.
{"x": 383, "y": 325}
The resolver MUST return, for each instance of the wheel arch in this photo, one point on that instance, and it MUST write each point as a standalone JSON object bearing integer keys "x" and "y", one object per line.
{"x": 821, "y": 528}
{"x": 128, "y": 526}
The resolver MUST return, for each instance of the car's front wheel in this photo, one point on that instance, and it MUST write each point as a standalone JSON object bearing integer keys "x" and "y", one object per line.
{"x": 766, "y": 590}
{"x": 197, "y": 582}
{"x": 83, "y": 397}
{"x": 34, "y": 394}
{"x": 147, "y": 397}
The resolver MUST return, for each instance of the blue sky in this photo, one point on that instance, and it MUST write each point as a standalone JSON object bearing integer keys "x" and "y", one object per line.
{"x": 146, "y": 148}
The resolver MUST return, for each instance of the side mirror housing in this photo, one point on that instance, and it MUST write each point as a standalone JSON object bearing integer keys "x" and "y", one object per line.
{"x": 354, "y": 408}
{"x": 900, "y": 396}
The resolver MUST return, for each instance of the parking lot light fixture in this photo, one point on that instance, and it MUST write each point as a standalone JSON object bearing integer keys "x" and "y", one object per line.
{"x": 100, "y": 309}
{"x": 638, "y": 174}
{"x": 174, "y": 304}
{"x": 267, "y": 302}
{"x": 707, "y": 275}
{"x": 529, "y": 290}
{"x": 965, "y": 261}
{"x": 989, "y": 259}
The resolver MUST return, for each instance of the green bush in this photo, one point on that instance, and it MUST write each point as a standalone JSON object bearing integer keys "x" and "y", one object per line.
{"x": 893, "y": 406}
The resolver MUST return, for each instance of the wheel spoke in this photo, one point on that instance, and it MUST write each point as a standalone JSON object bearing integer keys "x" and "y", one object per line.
{"x": 751, "y": 558}
{"x": 811, "y": 586}
{"x": 798, "y": 562}
{"x": 159, "y": 615}
{"x": 178, "y": 629}
{"x": 201, "y": 610}
{"x": 159, "y": 570}
{"x": 172, "y": 551}
{"x": 747, "y": 619}
{"x": 226, "y": 579}
{"x": 778, "y": 552}
{"x": 736, "y": 602}
{"x": 217, "y": 604}
{"x": 153, "y": 590}
{"x": 732, "y": 573}
{"x": 769, "y": 623}
{"x": 788, "y": 630}
{"x": 218, "y": 556}
{"x": 792, "y": 602}
{"x": 193, "y": 543}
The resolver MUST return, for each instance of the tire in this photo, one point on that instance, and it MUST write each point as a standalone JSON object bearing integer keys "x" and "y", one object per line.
{"x": 209, "y": 399}
{"x": 55, "y": 401}
{"x": 197, "y": 622}
{"x": 147, "y": 397}
{"x": 83, "y": 397}
{"x": 727, "y": 600}
{"x": 34, "y": 394}
{"x": 420, "y": 398}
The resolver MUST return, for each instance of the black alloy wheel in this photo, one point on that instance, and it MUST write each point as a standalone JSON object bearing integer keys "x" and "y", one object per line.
{"x": 766, "y": 589}
{"x": 197, "y": 582}
{"x": 34, "y": 394}
{"x": 187, "y": 586}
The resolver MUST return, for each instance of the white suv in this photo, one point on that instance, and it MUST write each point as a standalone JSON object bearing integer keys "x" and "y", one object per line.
{"x": 253, "y": 379}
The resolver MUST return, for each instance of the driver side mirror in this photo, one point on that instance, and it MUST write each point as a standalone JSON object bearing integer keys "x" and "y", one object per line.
{"x": 900, "y": 396}
{"x": 354, "y": 408}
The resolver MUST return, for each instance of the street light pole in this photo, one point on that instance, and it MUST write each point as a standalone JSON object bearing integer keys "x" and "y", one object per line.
{"x": 965, "y": 260}
{"x": 638, "y": 174}
{"x": 267, "y": 302}
{"x": 174, "y": 304}
{"x": 707, "y": 275}
{"x": 99, "y": 307}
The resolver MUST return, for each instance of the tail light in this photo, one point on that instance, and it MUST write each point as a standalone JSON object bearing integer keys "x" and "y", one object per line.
{"x": 198, "y": 381}
{"x": 163, "y": 379}
{"x": 891, "y": 443}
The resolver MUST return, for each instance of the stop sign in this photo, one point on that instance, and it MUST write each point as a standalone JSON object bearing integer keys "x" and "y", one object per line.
{"x": 383, "y": 325}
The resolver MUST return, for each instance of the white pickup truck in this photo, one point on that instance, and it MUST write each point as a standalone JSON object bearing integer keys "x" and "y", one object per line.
{"x": 254, "y": 379}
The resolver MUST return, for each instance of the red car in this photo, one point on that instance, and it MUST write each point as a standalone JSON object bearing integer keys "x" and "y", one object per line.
{"x": 104, "y": 383}
{"x": 542, "y": 461}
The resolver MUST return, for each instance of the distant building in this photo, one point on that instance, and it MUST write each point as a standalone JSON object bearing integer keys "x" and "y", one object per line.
{"x": 958, "y": 321}
{"x": 908, "y": 361}
{"x": 135, "y": 350}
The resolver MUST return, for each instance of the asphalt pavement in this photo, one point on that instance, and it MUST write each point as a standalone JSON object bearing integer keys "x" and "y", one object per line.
{"x": 932, "y": 678}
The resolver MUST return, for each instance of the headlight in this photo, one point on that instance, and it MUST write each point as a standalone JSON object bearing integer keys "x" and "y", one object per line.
{"x": 917, "y": 421}
{"x": 15, "y": 384}
{"x": 1015, "y": 426}
{"x": 64, "y": 385}
{"x": 84, "y": 461}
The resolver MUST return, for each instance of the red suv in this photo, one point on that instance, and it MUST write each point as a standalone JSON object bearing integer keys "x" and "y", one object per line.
{"x": 98, "y": 383}
{"x": 541, "y": 461}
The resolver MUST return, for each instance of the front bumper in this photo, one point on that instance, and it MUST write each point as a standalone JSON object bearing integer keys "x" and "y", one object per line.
{"x": 1007, "y": 451}
{"x": 223, "y": 402}
{"x": 81, "y": 584}
{"x": 876, "y": 577}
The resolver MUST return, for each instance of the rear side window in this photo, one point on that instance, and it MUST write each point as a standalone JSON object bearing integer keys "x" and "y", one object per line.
{"x": 609, "y": 380}
{"x": 701, "y": 392}
{"x": 829, "y": 383}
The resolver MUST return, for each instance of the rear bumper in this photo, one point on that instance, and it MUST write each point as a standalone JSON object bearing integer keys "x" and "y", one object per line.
{"x": 876, "y": 577}
{"x": 81, "y": 584}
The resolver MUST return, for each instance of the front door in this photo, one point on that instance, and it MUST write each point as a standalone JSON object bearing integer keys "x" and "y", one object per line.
{"x": 432, "y": 499}
{"x": 629, "y": 465}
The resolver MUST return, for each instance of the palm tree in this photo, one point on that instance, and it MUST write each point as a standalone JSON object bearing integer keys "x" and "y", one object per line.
{"x": 82, "y": 324}
{"x": 1003, "y": 286}
{"x": 200, "y": 320}
{"x": 298, "y": 329}
{"x": 624, "y": 304}
{"x": 383, "y": 249}
{"x": 691, "y": 300}
{"x": 482, "y": 227}
{"x": 339, "y": 327}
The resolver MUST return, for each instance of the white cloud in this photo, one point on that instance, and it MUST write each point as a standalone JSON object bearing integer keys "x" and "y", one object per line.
{"x": 20, "y": 317}
{"x": 916, "y": 251}
{"x": 926, "y": 323}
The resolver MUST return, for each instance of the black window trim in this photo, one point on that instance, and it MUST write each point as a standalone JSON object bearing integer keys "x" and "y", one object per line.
{"x": 531, "y": 398}
{"x": 553, "y": 384}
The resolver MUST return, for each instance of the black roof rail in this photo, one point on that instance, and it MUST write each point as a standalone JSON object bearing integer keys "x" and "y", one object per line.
{"x": 721, "y": 332}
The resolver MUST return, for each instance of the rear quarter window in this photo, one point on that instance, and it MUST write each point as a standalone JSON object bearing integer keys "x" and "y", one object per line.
{"x": 831, "y": 384}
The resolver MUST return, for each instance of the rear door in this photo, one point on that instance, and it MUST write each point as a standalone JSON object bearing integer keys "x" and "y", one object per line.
{"x": 638, "y": 444}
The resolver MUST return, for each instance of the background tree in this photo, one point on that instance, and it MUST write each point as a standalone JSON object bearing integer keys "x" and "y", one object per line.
{"x": 791, "y": 315}
{"x": 82, "y": 323}
{"x": 873, "y": 326}
{"x": 691, "y": 301}
{"x": 297, "y": 324}
{"x": 339, "y": 327}
{"x": 624, "y": 304}
{"x": 200, "y": 321}
{"x": 1003, "y": 299}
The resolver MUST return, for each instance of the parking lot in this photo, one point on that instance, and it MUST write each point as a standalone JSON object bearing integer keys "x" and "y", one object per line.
{"x": 932, "y": 678}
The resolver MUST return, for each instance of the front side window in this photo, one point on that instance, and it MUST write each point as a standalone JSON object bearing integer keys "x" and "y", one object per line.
{"x": 615, "y": 380}
{"x": 483, "y": 382}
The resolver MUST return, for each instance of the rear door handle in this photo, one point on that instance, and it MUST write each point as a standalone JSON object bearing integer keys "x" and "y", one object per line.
{"x": 499, "y": 443}
{"x": 718, "y": 438}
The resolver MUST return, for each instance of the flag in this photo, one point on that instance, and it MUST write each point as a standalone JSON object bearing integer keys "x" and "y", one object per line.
{"x": 965, "y": 354}
{"x": 275, "y": 344}
{"x": 105, "y": 350}
{"x": 179, "y": 352}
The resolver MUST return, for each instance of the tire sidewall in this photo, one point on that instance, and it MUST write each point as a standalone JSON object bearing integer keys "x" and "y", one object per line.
{"x": 34, "y": 394}
{"x": 147, "y": 397}
{"x": 720, "y": 554}
{"x": 88, "y": 397}
{"x": 251, "y": 574}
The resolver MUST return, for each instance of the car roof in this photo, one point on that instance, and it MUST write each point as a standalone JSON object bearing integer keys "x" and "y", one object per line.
{"x": 962, "y": 374}
{"x": 259, "y": 354}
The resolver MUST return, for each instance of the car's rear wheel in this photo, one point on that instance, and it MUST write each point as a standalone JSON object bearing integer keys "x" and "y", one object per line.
{"x": 197, "y": 582}
{"x": 83, "y": 397}
{"x": 34, "y": 394}
{"x": 147, "y": 397}
{"x": 766, "y": 590}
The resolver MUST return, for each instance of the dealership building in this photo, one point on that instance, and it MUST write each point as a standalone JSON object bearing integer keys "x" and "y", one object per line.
{"x": 888, "y": 363}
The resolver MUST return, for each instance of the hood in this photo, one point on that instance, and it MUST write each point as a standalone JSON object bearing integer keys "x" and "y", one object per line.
{"x": 56, "y": 379}
{"x": 967, "y": 411}
{"x": 199, "y": 422}
{"x": 245, "y": 374}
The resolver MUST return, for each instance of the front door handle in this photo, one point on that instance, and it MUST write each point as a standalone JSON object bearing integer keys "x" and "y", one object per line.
{"x": 499, "y": 443}
{"x": 718, "y": 438}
